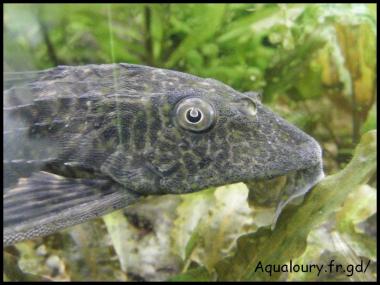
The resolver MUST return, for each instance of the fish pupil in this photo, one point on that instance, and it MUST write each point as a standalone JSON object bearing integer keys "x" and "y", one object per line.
{"x": 193, "y": 115}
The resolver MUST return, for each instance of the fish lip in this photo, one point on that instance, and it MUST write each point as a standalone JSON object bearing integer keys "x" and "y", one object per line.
{"x": 285, "y": 173}
{"x": 312, "y": 159}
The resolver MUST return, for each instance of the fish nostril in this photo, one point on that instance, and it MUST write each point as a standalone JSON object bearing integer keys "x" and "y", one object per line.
{"x": 247, "y": 106}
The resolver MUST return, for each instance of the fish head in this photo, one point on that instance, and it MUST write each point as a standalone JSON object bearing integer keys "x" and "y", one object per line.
{"x": 200, "y": 133}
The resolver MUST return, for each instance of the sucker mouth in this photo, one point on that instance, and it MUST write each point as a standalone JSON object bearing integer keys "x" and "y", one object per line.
{"x": 281, "y": 190}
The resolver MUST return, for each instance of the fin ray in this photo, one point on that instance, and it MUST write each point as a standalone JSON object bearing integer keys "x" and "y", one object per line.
{"x": 45, "y": 202}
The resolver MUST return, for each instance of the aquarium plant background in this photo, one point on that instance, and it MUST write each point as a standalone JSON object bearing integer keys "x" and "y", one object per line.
{"x": 314, "y": 64}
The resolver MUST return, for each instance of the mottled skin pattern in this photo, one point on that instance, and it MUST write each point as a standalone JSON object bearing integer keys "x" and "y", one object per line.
{"x": 115, "y": 125}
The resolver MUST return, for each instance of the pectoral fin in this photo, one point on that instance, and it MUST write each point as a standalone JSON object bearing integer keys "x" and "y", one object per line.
{"x": 45, "y": 203}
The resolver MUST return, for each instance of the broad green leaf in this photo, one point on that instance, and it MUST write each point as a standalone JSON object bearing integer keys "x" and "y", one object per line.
{"x": 208, "y": 20}
{"x": 189, "y": 214}
{"x": 209, "y": 222}
{"x": 244, "y": 24}
{"x": 309, "y": 84}
{"x": 291, "y": 66}
{"x": 359, "y": 49}
{"x": 157, "y": 30}
{"x": 342, "y": 240}
{"x": 318, "y": 241}
{"x": 371, "y": 121}
{"x": 359, "y": 205}
{"x": 141, "y": 237}
{"x": 118, "y": 229}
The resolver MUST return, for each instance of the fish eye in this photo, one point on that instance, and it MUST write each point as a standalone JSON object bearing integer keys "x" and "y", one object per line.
{"x": 195, "y": 114}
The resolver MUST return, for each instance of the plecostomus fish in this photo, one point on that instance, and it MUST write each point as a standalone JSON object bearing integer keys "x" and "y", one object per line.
{"x": 82, "y": 141}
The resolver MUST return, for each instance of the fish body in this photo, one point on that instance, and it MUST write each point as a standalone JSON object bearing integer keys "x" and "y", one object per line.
{"x": 81, "y": 141}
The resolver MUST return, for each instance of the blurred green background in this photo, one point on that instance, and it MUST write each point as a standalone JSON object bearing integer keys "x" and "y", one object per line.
{"x": 315, "y": 65}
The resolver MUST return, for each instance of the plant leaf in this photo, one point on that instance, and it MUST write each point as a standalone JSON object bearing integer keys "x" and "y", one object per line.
{"x": 209, "y": 18}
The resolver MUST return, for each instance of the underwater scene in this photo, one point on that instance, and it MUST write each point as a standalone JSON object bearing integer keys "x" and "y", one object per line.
{"x": 189, "y": 142}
